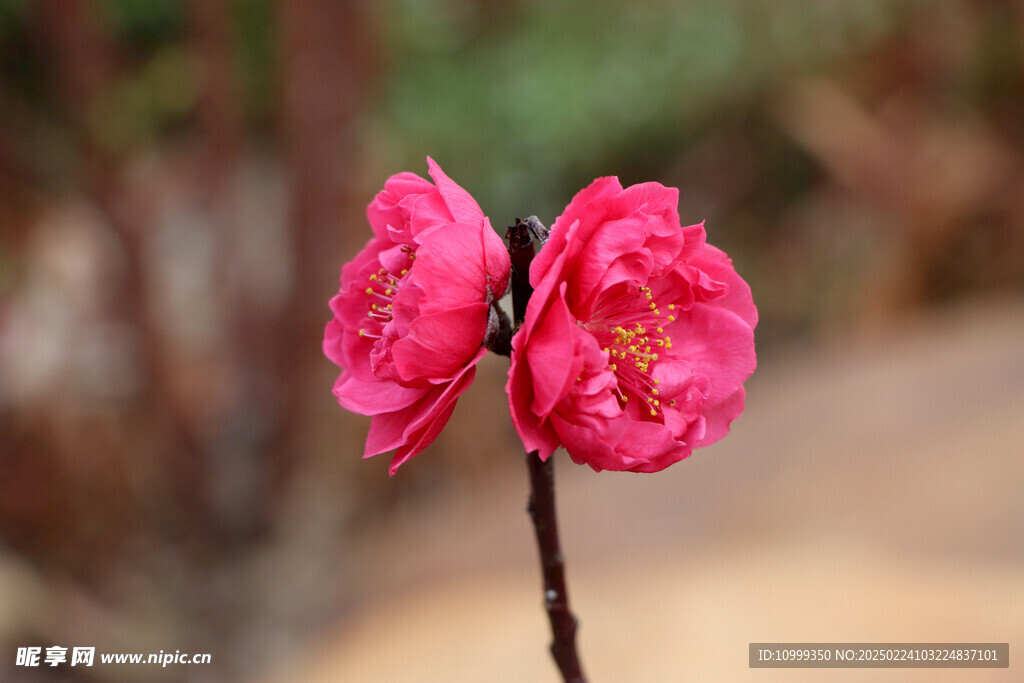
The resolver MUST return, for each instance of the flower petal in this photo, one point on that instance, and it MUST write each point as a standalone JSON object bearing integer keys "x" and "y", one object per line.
{"x": 460, "y": 203}
{"x": 385, "y": 210}
{"x": 423, "y": 425}
{"x": 614, "y": 253}
{"x": 438, "y": 344}
{"x": 720, "y": 416}
{"x": 456, "y": 266}
{"x": 415, "y": 427}
{"x": 718, "y": 344}
{"x": 550, "y": 356}
{"x": 537, "y": 433}
{"x": 559, "y": 238}
{"x": 718, "y": 266}
{"x": 373, "y": 397}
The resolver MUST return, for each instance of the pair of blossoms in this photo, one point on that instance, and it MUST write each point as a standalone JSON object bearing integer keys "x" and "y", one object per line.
{"x": 635, "y": 345}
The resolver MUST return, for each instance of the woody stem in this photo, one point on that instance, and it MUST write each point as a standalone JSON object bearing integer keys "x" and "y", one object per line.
{"x": 556, "y": 597}
{"x": 523, "y": 238}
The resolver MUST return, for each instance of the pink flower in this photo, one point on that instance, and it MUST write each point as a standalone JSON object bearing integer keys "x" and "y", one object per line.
{"x": 413, "y": 309}
{"x": 637, "y": 338}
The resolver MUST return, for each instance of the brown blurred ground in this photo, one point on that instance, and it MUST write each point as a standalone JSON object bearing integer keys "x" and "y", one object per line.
{"x": 870, "y": 492}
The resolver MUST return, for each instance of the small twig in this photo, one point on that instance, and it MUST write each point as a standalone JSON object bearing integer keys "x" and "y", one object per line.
{"x": 524, "y": 237}
{"x": 498, "y": 337}
{"x": 556, "y": 597}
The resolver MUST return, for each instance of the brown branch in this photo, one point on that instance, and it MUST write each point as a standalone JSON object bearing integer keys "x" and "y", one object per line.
{"x": 523, "y": 240}
{"x": 556, "y": 597}
{"x": 524, "y": 237}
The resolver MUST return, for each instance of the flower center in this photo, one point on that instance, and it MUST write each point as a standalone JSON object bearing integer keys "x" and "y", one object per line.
{"x": 382, "y": 288}
{"x": 633, "y": 336}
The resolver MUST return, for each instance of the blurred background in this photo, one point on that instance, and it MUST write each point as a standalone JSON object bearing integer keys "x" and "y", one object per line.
{"x": 181, "y": 180}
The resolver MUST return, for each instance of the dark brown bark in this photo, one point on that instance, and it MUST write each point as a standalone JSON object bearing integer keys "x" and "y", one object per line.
{"x": 556, "y": 596}
{"x": 524, "y": 238}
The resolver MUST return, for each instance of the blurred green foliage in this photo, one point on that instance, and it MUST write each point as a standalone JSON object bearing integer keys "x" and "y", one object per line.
{"x": 255, "y": 40}
{"x": 20, "y": 69}
{"x": 531, "y": 99}
{"x": 157, "y": 98}
{"x": 142, "y": 26}
{"x": 547, "y": 96}
{"x": 525, "y": 102}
